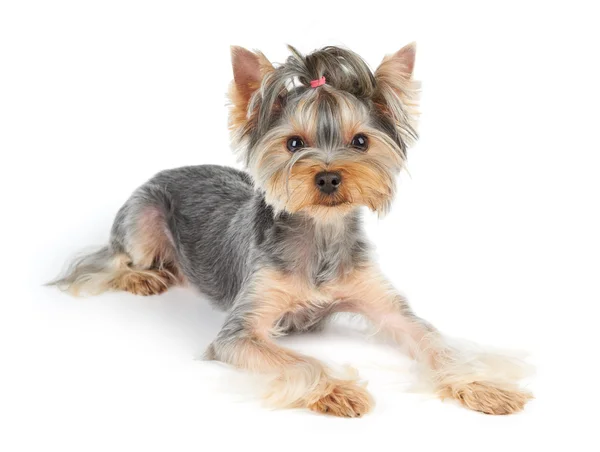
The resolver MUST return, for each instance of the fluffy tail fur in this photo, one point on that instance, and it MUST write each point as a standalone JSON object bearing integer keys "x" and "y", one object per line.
{"x": 93, "y": 273}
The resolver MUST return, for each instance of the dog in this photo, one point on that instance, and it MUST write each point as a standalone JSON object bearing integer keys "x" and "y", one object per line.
{"x": 280, "y": 246}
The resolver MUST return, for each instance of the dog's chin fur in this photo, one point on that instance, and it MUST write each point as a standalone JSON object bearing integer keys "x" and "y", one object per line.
{"x": 322, "y": 213}
{"x": 329, "y": 214}
{"x": 279, "y": 255}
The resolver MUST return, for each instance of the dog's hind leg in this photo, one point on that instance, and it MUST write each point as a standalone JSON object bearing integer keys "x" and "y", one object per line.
{"x": 141, "y": 256}
{"x": 149, "y": 265}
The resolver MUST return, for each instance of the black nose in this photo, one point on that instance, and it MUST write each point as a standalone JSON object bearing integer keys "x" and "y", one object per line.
{"x": 328, "y": 182}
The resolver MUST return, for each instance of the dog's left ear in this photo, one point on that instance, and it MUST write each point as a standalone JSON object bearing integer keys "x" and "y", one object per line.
{"x": 396, "y": 93}
{"x": 401, "y": 63}
{"x": 249, "y": 68}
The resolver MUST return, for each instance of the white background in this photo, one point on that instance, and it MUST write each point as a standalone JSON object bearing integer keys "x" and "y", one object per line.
{"x": 494, "y": 234}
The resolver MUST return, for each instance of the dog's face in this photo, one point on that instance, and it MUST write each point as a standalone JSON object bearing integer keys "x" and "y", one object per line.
{"x": 325, "y": 149}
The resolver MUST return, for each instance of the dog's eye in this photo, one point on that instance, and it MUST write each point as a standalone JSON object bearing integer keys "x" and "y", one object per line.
{"x": 360, "y": 142}
{"x": 295, "y": 143}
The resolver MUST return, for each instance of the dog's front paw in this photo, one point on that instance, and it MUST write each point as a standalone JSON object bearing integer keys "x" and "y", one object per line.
{"x": 344, "y": 399}
{"x": 480, "y": 396}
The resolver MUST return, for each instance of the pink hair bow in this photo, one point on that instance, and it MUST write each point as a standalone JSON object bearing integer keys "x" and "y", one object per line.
{"x": 317, "y": 82}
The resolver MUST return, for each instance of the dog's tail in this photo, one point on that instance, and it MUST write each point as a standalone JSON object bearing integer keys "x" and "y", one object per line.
{"x": 93, "y": 273}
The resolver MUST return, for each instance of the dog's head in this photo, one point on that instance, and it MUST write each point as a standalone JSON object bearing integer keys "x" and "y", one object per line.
{"x": 321, "y": 133}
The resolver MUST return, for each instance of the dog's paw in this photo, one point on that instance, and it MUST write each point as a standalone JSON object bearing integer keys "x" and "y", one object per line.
{"x": 144, "y": 283}
{"x": 344, "y": 399}
{"x": 487, "y": 398}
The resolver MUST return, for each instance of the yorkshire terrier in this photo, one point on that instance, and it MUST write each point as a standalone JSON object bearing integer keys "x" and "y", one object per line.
{"x": 281, "y": 246}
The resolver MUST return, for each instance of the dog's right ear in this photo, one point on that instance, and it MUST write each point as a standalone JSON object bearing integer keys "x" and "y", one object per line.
{"x": 249, "y": 68}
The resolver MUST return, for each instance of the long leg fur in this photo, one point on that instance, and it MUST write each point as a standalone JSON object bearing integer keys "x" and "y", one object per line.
{"x": 479, "y": 379}
{"x": 296, "y": 380}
